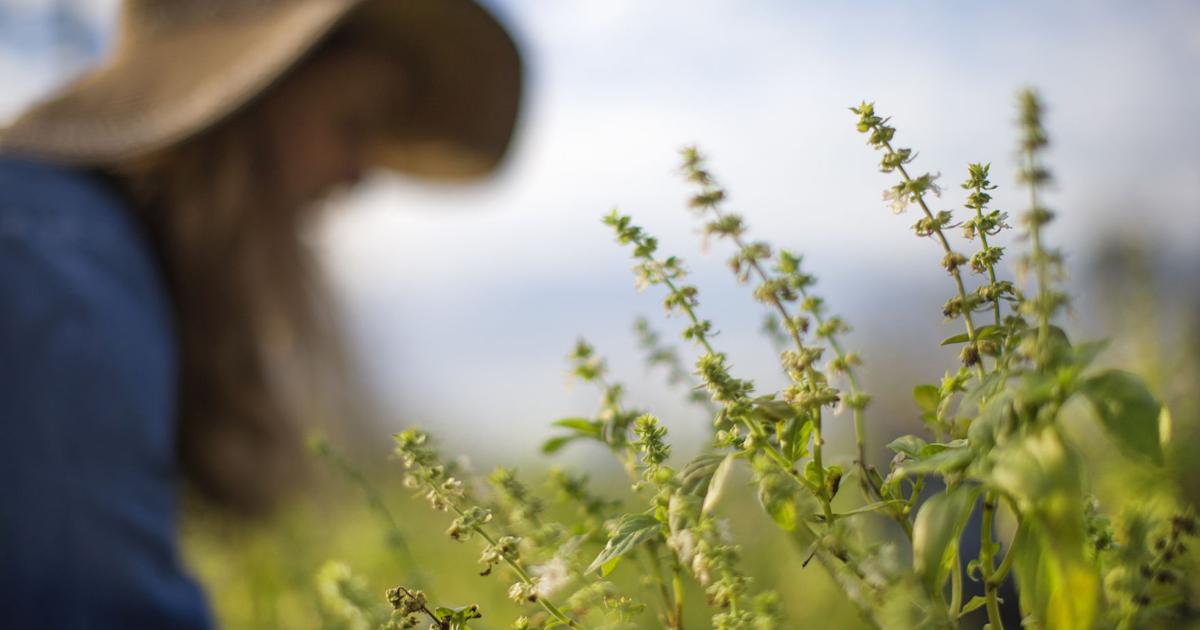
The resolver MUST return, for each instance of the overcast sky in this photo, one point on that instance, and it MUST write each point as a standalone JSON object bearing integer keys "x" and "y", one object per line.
{"x": 463, "y": 303}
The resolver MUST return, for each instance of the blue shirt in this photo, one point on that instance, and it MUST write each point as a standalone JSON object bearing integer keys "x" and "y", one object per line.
{"x": 89, "y": 478}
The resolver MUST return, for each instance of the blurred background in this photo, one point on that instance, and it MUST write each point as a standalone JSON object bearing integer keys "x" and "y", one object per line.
{"x": 462, "y": 303}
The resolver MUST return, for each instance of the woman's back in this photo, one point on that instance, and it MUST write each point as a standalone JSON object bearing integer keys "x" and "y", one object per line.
{"x": 87, "y": 425}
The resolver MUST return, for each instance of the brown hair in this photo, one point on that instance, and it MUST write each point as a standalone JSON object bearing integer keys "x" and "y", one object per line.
{"x": 255, "y": 336}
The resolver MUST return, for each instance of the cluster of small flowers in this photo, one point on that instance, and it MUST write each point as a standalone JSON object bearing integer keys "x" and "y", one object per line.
{"x": 506, "y": 548}
{"x": 408, "y": 606}
{"x": 913, "y": 190}
{"x": 1045, "y": 263}
{"x": 426, "y": 472}
{"x": 696, "y": 536}
{"x": 1161, "y": 570}
{"x": 524, "y": 592}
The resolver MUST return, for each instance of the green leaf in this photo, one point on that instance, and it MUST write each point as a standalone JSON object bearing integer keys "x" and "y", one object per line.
{"x": 795, "y": 438}
{"x": 983, "y": 332}
{"x": 682, "y": 511}
{"x": 631, "y": 531}
{"x": 1059, "y": 336}
{"x": 555, "y": 444}
{"x": 1128, "y": 411}
{"x": 927, "y": 397}
{"x": 458, "y": 617}
{"x": 1056, "y": 579}
{"x": 779, "y": 495}
{"x": 783, "y": 512}
{"x": 811, "y": 473}
{"x": 936, "y": 532}
{"x": 608, "y": 567}
{"x": 982, "y": 390}
{"x": 775, "y": 410}
{"x": 974, "y": 604}
{"x": 715, "y": 487}
{"x": 942, "y": 459}
{"x": 995, "y": 419}
{"x": 698, "y": 473}
{"x": 870, "y": 507}
{"x": 582, "y": 425}
{"x": 1083, "y": 354}
{"x": 910, "y": 445}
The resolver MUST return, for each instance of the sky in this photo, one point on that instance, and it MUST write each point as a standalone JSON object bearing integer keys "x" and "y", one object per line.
{"x": 462, "y": 303}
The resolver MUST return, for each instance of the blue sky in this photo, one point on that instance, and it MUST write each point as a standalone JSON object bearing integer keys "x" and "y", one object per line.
{"x": 463, "y": 303}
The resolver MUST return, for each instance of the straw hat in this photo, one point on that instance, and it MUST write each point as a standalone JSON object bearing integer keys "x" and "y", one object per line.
{"x": 182, "y": 65}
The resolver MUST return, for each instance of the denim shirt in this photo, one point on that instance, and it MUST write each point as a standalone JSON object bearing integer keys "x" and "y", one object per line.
{"x": 89, "y": 479}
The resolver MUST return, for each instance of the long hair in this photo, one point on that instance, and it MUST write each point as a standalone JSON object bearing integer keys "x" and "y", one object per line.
{"x": 255, "y": 338}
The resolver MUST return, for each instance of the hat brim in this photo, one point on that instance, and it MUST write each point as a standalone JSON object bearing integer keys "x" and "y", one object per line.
{"x": 164, "y": 86}
{"x": 465, "y": 75}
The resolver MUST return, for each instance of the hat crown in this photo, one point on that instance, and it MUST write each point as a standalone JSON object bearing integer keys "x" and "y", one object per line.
{"x": 144, "y": 16}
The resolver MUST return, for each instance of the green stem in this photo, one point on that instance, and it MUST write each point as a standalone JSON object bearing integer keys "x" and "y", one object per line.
{"x": 987, "y": 560}
{"x": 991, "y": 269}
{"x": 958, "y": 281}
{"x": 956, "y": 587}
{"x": 677, "y": 585}
{"x": 1039, "y": 257}
{"x": 1009, "y": 556}
{"x": 669, "y": 607}
{"x": 918, "y": 485}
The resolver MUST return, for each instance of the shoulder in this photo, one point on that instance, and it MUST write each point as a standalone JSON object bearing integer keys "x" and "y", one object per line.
{"x": 56, "y": 204}
{"x": 80, "y": 287}
{"x": 74, "y": 222}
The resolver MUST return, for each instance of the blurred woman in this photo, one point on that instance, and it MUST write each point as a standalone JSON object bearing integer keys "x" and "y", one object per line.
{"x": 158, "y": 300}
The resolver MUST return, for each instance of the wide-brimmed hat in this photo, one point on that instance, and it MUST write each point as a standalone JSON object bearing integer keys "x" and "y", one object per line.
{"x": 180, "y": 66}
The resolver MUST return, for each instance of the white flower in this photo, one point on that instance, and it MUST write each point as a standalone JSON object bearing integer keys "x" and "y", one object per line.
{"x": 897, "y": 197}
{"x": 684, "y": 544}
{"x": 552, "y": 576}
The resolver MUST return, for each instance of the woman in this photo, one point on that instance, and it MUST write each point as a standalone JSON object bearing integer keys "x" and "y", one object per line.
{"x": 156, "y": 292}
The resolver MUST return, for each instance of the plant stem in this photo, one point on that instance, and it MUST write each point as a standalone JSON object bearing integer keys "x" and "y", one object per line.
{"x": 956, "y": 587}
{"x": 1009, "y": 556}
{"x": 991, "y": 269}
{"x": 954, "y": 272}
{"x": 677, "y": 586}
{"x": 1039, "y": 257}
{"x": 987, "y": 561}
{"x": 669, "y": 607}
